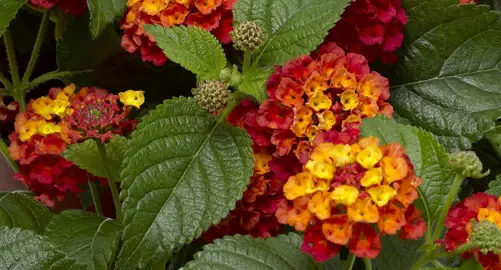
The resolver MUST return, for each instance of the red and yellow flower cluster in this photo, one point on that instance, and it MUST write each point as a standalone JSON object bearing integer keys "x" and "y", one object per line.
{"x": 53, "y": 122}
{"x": 74, "y": 7}
{"x": 372, "y": 28}
{"x": 8, "y": 112}
{"x": 478, "y": 207}
{"x": 346, "y": 188}
{"x": 212, "y": 15}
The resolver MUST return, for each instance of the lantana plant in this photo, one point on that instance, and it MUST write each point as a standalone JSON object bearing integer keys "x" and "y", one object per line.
{"x": 251, "y": 134}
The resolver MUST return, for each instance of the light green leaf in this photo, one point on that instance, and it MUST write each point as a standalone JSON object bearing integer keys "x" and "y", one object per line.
{"x": 292, "y": 27}
{"x": 429, "y": 157}
{"x": 86, "y": 156}
{"x": 8, "y": 11}
{"x": 18, "y": 210}
{"x": 183, "y": 172}
{"x": 447, "y": 81}
{"x": 88, "y": 241}
{"x": 23, "y": 250}
{"x": 102, "y": 13}
{"x": 495, "y": 187}
{"x": 254, "y": 82}
{"x": 192, "y": 47}
{"x": 244, "y": 252}
{"x": 397, "y": 253}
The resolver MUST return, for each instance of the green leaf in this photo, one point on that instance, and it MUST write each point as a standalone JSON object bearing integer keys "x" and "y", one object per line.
{"x": 447, "y": 80}
{"x": 495, "y": 187}
{"x": 292, "y": 27}
{"x": 102, "y": 13}
{"x": 88, "y": 241}
{"x": 86, "y": 156}
{"x": 8, "y": 10}
{"x": 334, "y": 263}
{"x": 397, "y": 253}
{"x": 471, "y": 264}
{"x": 183, "y": 172}
{"x": 244, "y": 252}
{"x": 23, "y": 250}
{"x": 429, "y": 157}
{"x": 18, "y": 210}
{"x": 192, "y": 47}
{"x": 254, "y": 82}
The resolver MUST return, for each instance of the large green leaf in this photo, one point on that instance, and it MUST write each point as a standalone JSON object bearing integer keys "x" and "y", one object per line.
{"x": 87, "y": 240}
{"x": 8, "y": 10}
{"x": 192, "y": 47}
{"x": 429, "y": 157}
{"x": 292, "y": 27}
{"x": 184, "y": 171}
{"x": 86, "y": 156}
{"x": 18, "y": 210}
{"x": 397, "y": 253}
{"x": 254, "y": 82}
{"x": 102, "y": 13}
{"x": 244, "y": 252}
{"x": 447, "y": 81}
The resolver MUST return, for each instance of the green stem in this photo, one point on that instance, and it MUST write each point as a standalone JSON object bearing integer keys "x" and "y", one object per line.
{"x": 456, "y": 185}
{"x": 247, "y": 61}
{"x": 5, "y": 152}
{"x": 38, "y": 45}
{"x": 458, "y": 251}
{"x": 438, "y": 264}
{"x": 368, "y": 264}
{"x": 11, "y": 56}
{"x": 420, "y": 262}
{"x": 350, "y": 261}
{"x": 95, "y": 198}
{"x": 5, "y": 81}
{"x": 111, "y": 179}
{"x": 46, "y": 77}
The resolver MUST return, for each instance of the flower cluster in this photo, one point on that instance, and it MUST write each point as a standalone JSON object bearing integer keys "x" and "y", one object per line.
{"x": 463, "y": 2}
{"x": 461, "y": 222}
{"x": 372, "y": 28}
{"x": 74, "y": 7}
{"x": 344, "y": 189}
{"x": 213, "y": 15}
{"x": 8, "y": 112}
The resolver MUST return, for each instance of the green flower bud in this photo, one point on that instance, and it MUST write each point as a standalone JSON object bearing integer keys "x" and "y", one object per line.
{"x": 225, "y": 74}
{"x": 247, "y": 36}
{"x": 211, "y": 95}
{"x": 488, "y": 236}
{"x": 467, "y": 164}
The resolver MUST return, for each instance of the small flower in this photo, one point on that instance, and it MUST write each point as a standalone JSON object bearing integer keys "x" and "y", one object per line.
{"x": 132, "y": 98}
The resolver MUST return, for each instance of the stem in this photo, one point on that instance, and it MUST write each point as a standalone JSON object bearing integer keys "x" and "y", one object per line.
{"x": 421, "y": 262}
{"x": 5, "y": 81}
{"x": 368, "y": 264}
{"x": 111, "y": 180}
{"x": 350, "y": 261}
{"x": 456, "y": 185}
{"x": 5, "y": 152}
{"x": 438, "y": 264}
{"x": 11, "y": 56}
{"x": 36, "y": 49}
{"x": 47, "y": 77}
{"x": 247, "y": 61}
{"x": 459, "y": 250}
{"x": 95, "y": 198}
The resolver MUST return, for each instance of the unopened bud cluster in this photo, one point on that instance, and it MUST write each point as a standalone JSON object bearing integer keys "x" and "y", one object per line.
{"x": 488, "y": 236}
{"x": 247, "y": 36}
{"x": 467, "y": 164}
{"x": 211, "y": 95}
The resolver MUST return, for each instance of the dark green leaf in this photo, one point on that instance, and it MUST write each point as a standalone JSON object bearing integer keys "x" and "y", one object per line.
{"x": 183, "y": 172}
{"x": 397, "y": 253}
{"x": 471, "y": 264}
{"x": 292, "y": 27}
{"x": 88, "y": 241}
{"x": 244, "y": 252}
{"x": 495, "y": 187}
{"x": 104, "y": 12}
{"x": 8, "y": 10}
{"x": 19, "y": 210}
{"x": 334, "y": 263}
{"x": 447, "y": 81}
{"x": 254, "y": 82}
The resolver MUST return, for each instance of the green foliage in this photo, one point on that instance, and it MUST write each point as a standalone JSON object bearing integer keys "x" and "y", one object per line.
{"x": 86, "y": 155}
{"x": 397, "y": 253}
{"x": 102, "y": 13}
{"x": 192, "y": 47}
{"x": 183, "y": 172}
{"x": 495, "y": 187}
{"x": 8, "y": 10}
{"x": 18, "y": 210}
{"x": 88, "y": 241}
{"x": 471, "y": 264}
{"x": 243, "y": 252}
{"x": 254, "y": 82}
{"x": 292, "y": 28}
{"x": 447, "y": 81}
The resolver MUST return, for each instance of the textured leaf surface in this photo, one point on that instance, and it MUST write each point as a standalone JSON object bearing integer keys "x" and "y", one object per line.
{"x": 102, "y": 13}
{"x": 8, "y": 10}
{"x": 86, "y": 156}
{"x": 254, "y": 82}
{"x": 23, "y": 250}
{"x": 243, "y": 252}
{"x": 447, "y": 81}
{"x": 292, "y": 27}
{"x": 192, "y": 47}
{"x": 396, "y": 253}
{"x": 183, "y": 172}
{"x": 495, "y": 187}
{"x": 18, "y": 210}
{"x": 426, "y": 153}
{"x": 88, "y": 241}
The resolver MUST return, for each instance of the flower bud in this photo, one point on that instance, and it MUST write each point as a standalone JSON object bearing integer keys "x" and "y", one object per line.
{"x": 488, "y": 236}
{"x": 211, "y": 95}
{"x": 467, "y": 164}
{"x": 247, "y": 36}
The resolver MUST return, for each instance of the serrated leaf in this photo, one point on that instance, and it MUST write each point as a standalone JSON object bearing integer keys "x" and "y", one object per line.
{"x": 8, "y": 10}
{"x": 183, "y": 172}
{"x": 292, "y": 27}
{"x": 447, "y": 81}
{"x": 254, "y": 82}
{"x": 334, "y": 263}
{"x": 18, "y": 210}
{"x": 244, "y": 252}
{"x": 194, "y": 48}
{"x": 88, "y": 241}
{"x": 429, "y": 158}
{"x": 104, "y": 12}
{"x": 495, "y": 187}
{"x": 23, "y": 250}
{"x": 397, "y": 253}
{"x": 86, "y": 155}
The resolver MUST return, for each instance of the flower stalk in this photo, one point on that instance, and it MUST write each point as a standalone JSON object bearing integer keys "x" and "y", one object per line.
{"x": 111, "y": 180}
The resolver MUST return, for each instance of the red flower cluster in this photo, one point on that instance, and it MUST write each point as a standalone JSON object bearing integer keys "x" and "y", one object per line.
{"x": 478, "y": 207}
{"x": 8, "y": 112}
{"x": 372, "y": 28}
{"x": 463, "y": 2}
{"x": 74, "y": 7}
{"x": 212, "y": 15}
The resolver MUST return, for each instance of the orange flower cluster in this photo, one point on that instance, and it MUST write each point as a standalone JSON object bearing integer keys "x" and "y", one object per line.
{"x": 343, "y": 189}
{"x": 212, "y": 15}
